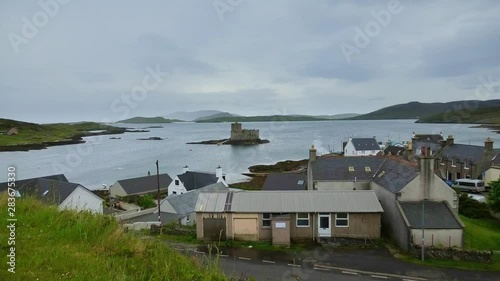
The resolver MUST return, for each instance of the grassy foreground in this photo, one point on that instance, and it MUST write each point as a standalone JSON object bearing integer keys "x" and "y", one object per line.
{"x": 482, "y": 234}
{"x": 53, "y": 245}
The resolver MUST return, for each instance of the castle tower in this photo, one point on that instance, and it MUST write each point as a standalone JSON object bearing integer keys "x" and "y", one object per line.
{"x": 236, "y": 132}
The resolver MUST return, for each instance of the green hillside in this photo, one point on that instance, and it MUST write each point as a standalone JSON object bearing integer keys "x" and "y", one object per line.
{"x": 54, "y": 245}
{"x": 416, "y": 110}
{"x": 33, "y": 134}
{"x": 147, "y": 120}
{"x": 487, "y": 115}
{"x": 273, "y": 118}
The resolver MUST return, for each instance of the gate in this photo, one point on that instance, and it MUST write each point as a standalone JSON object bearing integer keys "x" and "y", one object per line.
{"x": 214, "y": 229}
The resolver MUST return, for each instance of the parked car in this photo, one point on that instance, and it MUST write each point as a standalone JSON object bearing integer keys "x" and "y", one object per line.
{"x": 479, "y": 198}
{"x": 469, "y": 185}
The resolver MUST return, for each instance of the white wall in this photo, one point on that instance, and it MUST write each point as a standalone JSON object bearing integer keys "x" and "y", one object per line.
{"x": 492, "y": 174}
{"x": 349, "y": 149}
{"x": 438, "y": 237}
{"x": 439, "y": 191}
{"x": 116, "y": 190}
{"x": 82, "y": 199}
{"x": 179, "y": 189}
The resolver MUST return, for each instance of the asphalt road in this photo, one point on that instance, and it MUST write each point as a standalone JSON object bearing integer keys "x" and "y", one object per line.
{"x": 283, "y": 272}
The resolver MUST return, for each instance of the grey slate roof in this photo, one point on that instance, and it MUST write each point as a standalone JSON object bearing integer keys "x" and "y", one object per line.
{"x": 437, "y": 215}
{"x": 184, "y": 204}
{"x": 59, "y": 177}
{"x": 496, "y": 160}
{"x": 463, "y": 152}
{"x": 166, "y": 218}
{"x": 337, "y": 168}
{"x": 145, "y": 184}
{"x": 365, "y": 144}
{"x": 417, "y": 145}
{"x": 395, "y": 174}
{"x": 48, "y": 191}
{"x": 435, "y": 138}
{"x": 194, "y": 180}
{"x": 290, "y": 202}
{"x": 285, "y": 181}
{"x": 394, "y": 150}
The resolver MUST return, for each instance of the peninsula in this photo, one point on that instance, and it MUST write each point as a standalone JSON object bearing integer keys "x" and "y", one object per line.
{"x": 239, "y": 136}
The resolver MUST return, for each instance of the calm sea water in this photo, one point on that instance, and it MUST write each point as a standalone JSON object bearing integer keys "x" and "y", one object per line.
{"x": 103, "y": 161}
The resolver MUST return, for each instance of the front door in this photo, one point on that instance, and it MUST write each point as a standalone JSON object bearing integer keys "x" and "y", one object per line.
{"x": 324, "y": 225}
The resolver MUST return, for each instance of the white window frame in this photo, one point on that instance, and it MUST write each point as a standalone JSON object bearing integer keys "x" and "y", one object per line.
{"x": 341, "y": 219}
{"x": 297, "y": 219}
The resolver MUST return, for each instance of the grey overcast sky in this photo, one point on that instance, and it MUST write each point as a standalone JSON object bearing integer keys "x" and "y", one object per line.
{"x": 87, "y": 60}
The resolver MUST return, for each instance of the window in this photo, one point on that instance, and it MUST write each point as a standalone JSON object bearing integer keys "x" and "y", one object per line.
{"x": 224, "y": 177}
{"x": 302, "y": 220}
{"x": 176, "y": 182}
{"x": 174, "y": 192}
{"x": 351, "y": 168}
{"x": 368, "y": 169}
{"x": 342, "y": 220}
{"x": 266, "y": 220}
{"x": 300, "y": 182}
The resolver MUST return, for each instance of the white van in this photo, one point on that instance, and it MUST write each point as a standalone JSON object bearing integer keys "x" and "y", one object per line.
{"x": 469, "y": 185}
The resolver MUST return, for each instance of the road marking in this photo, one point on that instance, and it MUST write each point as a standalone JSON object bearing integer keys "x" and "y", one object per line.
{"x": 198, "y": 252}
{"x": 294, "y": 265}
{"x": 410, "y": 278}
{"x": 247, "y": 259}
{"x": 379, "y": 276}
{"x": 268, "y": 261}
{"x": 224, "y": 256}
{"x": 323, "y": 269}
{"x": 349, "y": 272}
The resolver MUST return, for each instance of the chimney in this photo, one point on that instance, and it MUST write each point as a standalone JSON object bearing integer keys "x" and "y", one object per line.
{"x": 185, "y": 169}
{"x": 218, "y": 172}
{"x": 312, "y": 154}
{"x": 442, "y": 143}
{"x": 450, "y": 140}
{"x": 426, "y": 167}
{"x": 488, "y": 144}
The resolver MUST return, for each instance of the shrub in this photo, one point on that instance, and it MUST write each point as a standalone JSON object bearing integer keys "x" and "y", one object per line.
{"x": 472, "y": 208}
{"x": 494, "y": 196}
{"x": 146, "y": 201}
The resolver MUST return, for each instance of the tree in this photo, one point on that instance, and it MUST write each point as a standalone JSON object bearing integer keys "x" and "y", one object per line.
{"x": 494, "y": 196}
{"x": 146, "y": 201}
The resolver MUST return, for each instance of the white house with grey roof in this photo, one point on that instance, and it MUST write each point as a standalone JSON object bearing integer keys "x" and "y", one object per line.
{"x": 192, "y": 180}
{"x": 395, "y": 181}
{"x": 56, "y": 190}
{"x": 362, "y": 147}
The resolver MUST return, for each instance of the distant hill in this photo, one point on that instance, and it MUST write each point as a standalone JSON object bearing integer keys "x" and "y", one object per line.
{"x": 487, "y": 115}
{"x": 417, "y": 110}
{"x": 192, "y": 116}
{"x": 272, "y": 118}
{"x": 147, "y": 120}
{"x": 217, "y": 115}
{"x": 338, "y": 116}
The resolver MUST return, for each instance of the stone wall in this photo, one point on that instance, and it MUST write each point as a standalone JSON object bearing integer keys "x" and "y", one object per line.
{"x": 454, "y": 254}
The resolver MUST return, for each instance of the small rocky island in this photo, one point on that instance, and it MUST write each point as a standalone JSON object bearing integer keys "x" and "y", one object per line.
{"x": 239, "y": 136}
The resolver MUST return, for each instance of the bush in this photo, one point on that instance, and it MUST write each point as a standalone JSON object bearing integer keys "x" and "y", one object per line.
{"x": 494, "y": 196}
{"x": 146, "y": 201}
{"x": 472, "y": 208}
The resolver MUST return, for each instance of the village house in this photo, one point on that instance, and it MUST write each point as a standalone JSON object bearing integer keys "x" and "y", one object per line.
{"x": 191, "y": 180}
{"x": 464, "y": 161}
{"x": 56, "y": 190}
{"x": 401, "y": 186}
{"x": 361, "y": 147}
{"x": 140, "y": 186}
{"x": 284, "y": 216}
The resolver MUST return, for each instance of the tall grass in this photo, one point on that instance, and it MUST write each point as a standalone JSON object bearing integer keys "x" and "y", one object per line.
{"x": 54, "y": 245}
{"x": 482, "y": 234}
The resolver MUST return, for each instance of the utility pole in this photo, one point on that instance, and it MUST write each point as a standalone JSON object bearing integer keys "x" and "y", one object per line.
{"x": 158, "y": 182}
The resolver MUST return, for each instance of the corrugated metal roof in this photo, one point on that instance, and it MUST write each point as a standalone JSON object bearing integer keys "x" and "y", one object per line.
{"x": 211, "y": 202}
{"x": 292, "y": 202}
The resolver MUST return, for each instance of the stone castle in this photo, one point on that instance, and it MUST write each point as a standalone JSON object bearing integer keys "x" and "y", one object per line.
{"x": 238, "y": 134}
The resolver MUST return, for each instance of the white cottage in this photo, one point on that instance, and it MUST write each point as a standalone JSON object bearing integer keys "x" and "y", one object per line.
{"x": 190, "y": 180}
{"x": 361, "y": 147}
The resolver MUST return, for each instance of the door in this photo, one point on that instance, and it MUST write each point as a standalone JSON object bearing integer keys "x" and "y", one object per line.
{"x": 324, "y": 225}
{"x": 214, "y": 229}
{"x": 245, "y": 229}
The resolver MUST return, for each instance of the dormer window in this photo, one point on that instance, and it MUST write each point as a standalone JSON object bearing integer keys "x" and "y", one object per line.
{"x": 351, "y": 168}
{"x": 368, "y": 169}
{"x": 452, "y": 163}
{"x": 465, "y": 166}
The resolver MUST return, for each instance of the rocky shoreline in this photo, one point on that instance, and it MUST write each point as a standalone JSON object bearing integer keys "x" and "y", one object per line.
{"x": 231, "y": 142}
{"x": 491, "y": 127}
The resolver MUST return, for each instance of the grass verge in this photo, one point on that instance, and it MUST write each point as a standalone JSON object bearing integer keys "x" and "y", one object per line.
{"x": 53, "y": 245}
